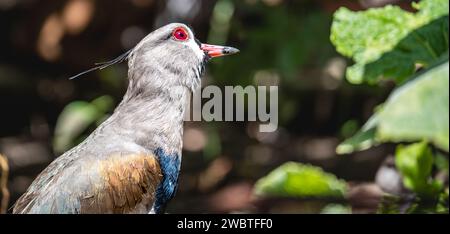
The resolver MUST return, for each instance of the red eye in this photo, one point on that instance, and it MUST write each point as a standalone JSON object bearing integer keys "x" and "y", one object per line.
{"x": 180, "y": 34}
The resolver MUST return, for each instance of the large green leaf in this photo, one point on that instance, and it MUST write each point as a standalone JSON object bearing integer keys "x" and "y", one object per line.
{"x": 418, "y": 110}
{"x": 388, "y": 42}
{"x": 365, "y": 35}
{"x": 298, "y": 180}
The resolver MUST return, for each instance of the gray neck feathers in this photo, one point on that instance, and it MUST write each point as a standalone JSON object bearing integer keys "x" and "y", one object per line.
{"x": 151, "y": 115}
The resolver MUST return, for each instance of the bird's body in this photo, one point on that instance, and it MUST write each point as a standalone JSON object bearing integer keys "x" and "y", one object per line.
{"x": 131, "y": 162}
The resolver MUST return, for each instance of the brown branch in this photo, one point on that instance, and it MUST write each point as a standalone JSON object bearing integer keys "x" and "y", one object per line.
{"x": 3, "y": 184}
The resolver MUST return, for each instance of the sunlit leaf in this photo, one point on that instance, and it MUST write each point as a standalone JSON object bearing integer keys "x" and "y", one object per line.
{"x": 365, "y": 35}
{"x": 415, "y": 163}
{"x": 418, "y": 110}
{"x": 336, "y": 209}
{"x": 389, "y": 42}
{"x": 431, "y": 9}
{"x": 298, "y": 180}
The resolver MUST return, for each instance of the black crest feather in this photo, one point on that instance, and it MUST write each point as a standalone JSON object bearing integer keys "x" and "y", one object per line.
{"x": 102, "y": 65}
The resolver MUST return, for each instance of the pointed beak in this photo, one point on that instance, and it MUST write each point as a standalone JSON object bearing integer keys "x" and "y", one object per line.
{"x": 218, "y": 51}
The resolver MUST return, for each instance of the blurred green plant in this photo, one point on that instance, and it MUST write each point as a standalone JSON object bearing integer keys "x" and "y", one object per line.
{"x": 412, "y": 50}
{"x": 336, "y": 209}
{"x": 302, "y": 181}
{"x": 220, "y": 22}
{"x": 349, "y": 128}
{"x": 74, "y": 121}
{"x": 415, "y": 163}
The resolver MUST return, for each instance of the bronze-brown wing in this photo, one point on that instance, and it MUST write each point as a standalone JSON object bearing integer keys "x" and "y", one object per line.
{"x": 126, "y": 184}
{"x": 116, "y": 184}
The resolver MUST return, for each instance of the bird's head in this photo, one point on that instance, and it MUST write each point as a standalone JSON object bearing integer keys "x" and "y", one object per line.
{"x": 172, "y": 56}
{"x": 168, "y": 57}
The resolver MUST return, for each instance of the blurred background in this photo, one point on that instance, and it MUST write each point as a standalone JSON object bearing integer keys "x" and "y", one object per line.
{"x": 282, "y": 42}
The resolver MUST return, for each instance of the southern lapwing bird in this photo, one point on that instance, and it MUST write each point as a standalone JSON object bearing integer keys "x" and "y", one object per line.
{"x": 131, "y": 162}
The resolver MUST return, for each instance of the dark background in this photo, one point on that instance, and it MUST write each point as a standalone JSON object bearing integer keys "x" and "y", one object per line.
{"x": 44, "y": 42}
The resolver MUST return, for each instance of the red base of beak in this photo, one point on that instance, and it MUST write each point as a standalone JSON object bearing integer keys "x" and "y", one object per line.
{"x": 218, "y": 51}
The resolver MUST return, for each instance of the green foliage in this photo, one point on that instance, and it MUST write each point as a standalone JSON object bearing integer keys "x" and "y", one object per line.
{"x": 442, "y": 163}
{"x": 385, "y": 46}
{"x": 415, "y": 163}
{"x": 389, "y": 42}
{"x": 76, "y": 118}
{"x": 365, "y": 35}
{"x": 362, "y": 140}
{"x": 418, "y": 110}
{"x": 389, "y": 205}
{"x": 419, "y": 48}
{"x": 349, "y": 128}
{"x": 396, "y": 205}
{"x": 298, "y": 180}
{"x": 431, "y": 9}
{"x": 442, "y": 206}
{"x": 336, "y": 209}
